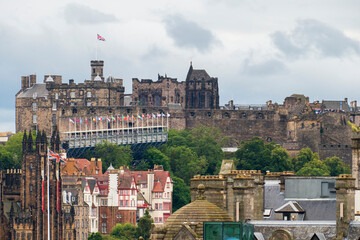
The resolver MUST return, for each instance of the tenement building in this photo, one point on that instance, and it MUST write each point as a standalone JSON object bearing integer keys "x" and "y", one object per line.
{"x": 192, "y": 102}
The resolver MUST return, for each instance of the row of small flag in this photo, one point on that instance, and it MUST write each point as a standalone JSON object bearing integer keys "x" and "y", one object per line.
{"x": 125, "y": 118}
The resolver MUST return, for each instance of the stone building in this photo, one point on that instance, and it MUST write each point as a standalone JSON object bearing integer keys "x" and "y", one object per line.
{"x": 23, "y": 197}
{"x": 160, "y": 93}
{"x": 202, "y": 91}
{"x": 294, "y": 124}
{"x": 42, "y": 104}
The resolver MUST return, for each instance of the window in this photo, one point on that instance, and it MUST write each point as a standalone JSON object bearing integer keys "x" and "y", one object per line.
{"x": 88, "y": 94}
{"x": 34, "y": 106}
{"x": 126, "y": 203}
{"x": 54, "y": 107}
{"x": 104, "y": 215}
{"x": 103, "y": 227}
{"x": 160, "y": 195}
{"x": 82, "y": 223}
{"x": 56, "y": 96}
{"x": 156, "y": 219}
{"x": 156, "y": 206}
{"x": 160, "y": 219}
{"x": 72, "y": 94}
{"x": 121, "y": 203}
{"x": 34, "y": 119}
{"x": 160, "y": 206}
{"x": 31, "y": 188}
{"x": 118, "y": 215}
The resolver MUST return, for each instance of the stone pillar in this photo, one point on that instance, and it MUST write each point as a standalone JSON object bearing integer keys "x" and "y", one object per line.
{"x": 345, "y": 204}
{"x": 244, "y": 192}
{"x": 355, "y": 145}
{"x": 258, "y": 195}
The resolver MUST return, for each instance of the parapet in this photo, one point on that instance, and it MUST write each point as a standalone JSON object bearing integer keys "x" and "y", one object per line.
{"x": 208, "y": 177}
{"x": 345, "y": 181}
{"x": 13, "y": 171}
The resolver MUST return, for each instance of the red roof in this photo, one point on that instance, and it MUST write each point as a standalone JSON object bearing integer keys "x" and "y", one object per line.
{"x": 159, "y": 176}
{"x": 158, "y": 187}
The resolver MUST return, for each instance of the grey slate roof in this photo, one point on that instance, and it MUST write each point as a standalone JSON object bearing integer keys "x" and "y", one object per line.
{"x": 39, "y": 89}
{"x": 315, "y": 209}
{"x": 199, "y": 74}
{"x": 342, "y": 105}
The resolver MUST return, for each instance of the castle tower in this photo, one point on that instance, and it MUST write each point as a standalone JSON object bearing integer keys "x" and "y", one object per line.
{"x": 97, "y": 68}
{"x": 201, "y": 90}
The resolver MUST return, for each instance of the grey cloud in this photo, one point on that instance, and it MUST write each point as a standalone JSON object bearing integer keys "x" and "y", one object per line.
{"x": 311, "y": 37}
{"x": 189, "y": 34}
{"x": 268, "y": 67}
{"x": 76, "y": 13}
{"x": 154, "y": 52}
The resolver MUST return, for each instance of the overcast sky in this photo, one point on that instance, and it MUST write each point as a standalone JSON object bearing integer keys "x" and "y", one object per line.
{"x": 259, "y": 50}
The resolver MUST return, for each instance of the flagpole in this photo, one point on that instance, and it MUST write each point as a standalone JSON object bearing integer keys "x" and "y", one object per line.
{"x": 48, "y": 195}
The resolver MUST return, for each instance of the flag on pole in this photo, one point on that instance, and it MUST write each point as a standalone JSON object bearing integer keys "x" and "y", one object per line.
{"x": 54, "y": 157}
{"x": 100, "y": 38}
{"x": 72, "y": 121}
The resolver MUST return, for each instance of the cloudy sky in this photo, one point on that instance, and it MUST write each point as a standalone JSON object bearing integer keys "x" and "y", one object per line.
{"x": 259, "y": 50}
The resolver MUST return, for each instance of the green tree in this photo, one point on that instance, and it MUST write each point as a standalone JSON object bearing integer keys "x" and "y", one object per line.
{"x": 315, "y": 167}
{"x": 185, "y": 163}
{"x": 305, "y": 155}
{"x": 111, "y": 153}
{"x": 95, "y": 236}
{"x": 207, "y": 142}
{"x": 337, "y": 166}
{"x": 181, "y": 193}
{"x": 125, "y": 231}
{"x": 254, "y": 155}
{"x": 280, "y": 160}
{"x": 155, "y": 157}
{"x": 144, "y": 226}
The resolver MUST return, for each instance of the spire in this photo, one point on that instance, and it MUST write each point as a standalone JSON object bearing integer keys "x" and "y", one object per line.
{"x": 24, "y": 141}
{"x": 30, "y": 142}
{"x": 190, "y": 71}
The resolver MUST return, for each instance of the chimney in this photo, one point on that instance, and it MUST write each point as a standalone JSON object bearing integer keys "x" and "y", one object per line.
{"x": 355, "y": 145}
{"x": 24, "y": 82}
{"x": 32, "y": 80}
{"x": 345, "y": 204}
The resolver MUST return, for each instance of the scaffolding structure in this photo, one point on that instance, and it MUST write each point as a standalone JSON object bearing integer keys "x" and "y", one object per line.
{"x": 139, "y": 132}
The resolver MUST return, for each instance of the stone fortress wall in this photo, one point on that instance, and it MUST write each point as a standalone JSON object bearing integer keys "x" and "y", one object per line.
{"x": 295, "y": 124}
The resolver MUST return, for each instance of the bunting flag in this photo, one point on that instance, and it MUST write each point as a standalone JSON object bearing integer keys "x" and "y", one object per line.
{"x": 133, "y": 117}
{"x": 143, "y": 116}
{"x": 148, "y": 116}
{"x": 158, "y": 115}
{"x": 119, "y": 118}
{"x": 163, "y": 114}
{"x": 85, "y": 120}
{"x": 81, "y": 121}
{"x": 139, "y": 116}
{"x": 94, "y": 119}
{"x": 77, "y": 120}
{"x": 168, "y": 115}
{"x": 114, "y": 119}
{"x": 100, "y": 38}
{"x": 154, "y": 116}
{"x": 72, "y": 121}
{"x": 108, "y": 119}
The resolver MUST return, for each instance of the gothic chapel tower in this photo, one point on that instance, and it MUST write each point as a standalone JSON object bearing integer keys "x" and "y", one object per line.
{"x": 31, "y": 221}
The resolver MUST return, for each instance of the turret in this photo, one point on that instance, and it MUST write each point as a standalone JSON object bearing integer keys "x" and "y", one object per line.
{"x": 97, "y": 68}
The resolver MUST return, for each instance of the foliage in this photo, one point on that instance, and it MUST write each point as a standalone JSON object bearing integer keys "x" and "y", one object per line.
{"x": 95, "y": 236}
{"x": 11, "y": 152}
{"x": 337, "y": 166}
{"x": 258, "y": 155}
{"x": 315, "y": 167}
{"x": 185, "y": 163}
{"x": 305, "y": 155}
{"x": 156, "y": 157}
{"x": 354, "y": 127}
{"x": 111, "y": 153}
{"x": 125, "y": 231}
{"x": 181, "y": 193}
{"x": 144, "y": 226}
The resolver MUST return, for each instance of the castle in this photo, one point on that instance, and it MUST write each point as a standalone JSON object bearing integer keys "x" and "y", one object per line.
{"x": 28, "y": 195}
{"x": 295, "y": 124}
